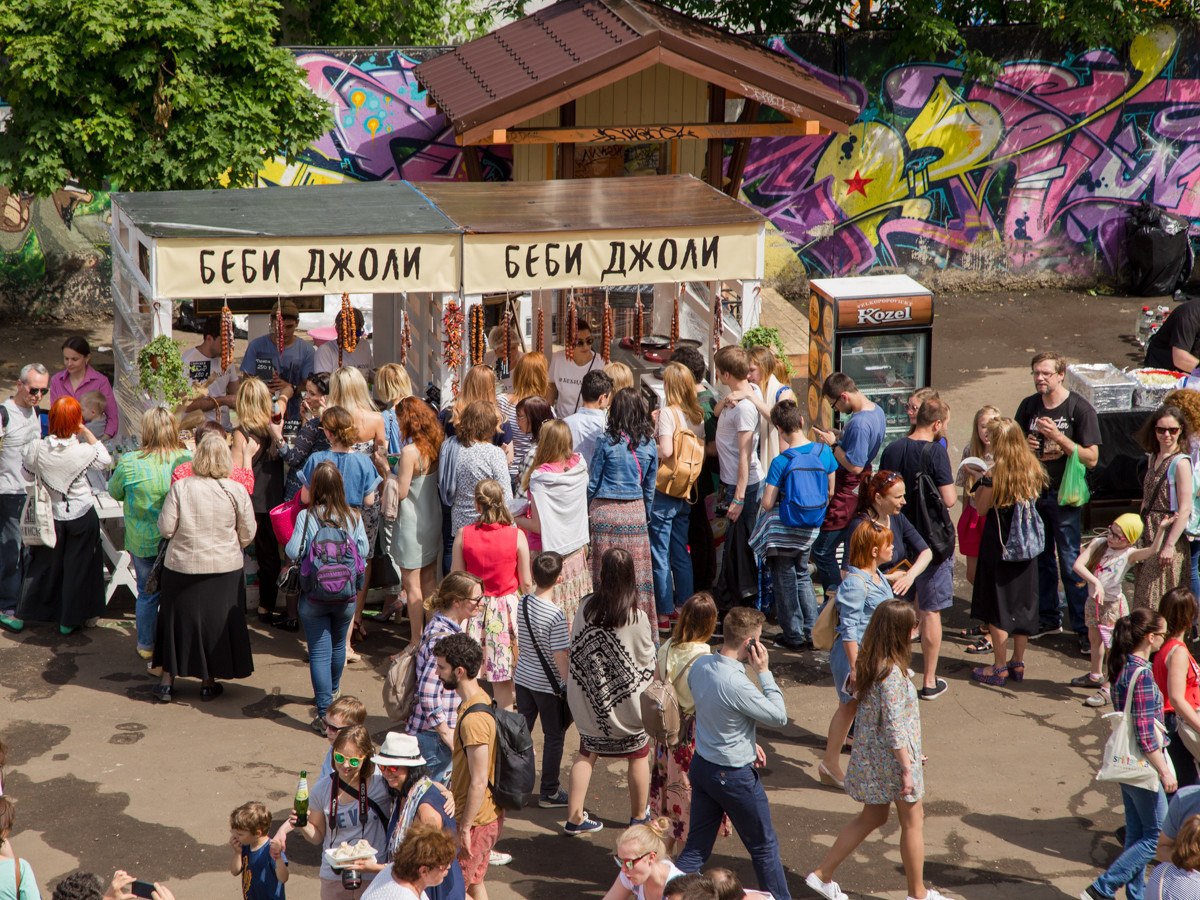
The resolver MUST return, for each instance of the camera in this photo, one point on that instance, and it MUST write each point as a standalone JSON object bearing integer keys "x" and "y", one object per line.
{"x": 351, "y": 879}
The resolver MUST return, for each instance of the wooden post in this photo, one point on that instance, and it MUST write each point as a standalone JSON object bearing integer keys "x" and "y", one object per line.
{"x": 716, "y": 146}
{"x": 741, "y": 150}
{"x": 566, "y": 152}
{"x": 472, "y": 164}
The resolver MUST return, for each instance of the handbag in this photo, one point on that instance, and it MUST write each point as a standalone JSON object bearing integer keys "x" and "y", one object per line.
{"x": 824, "y": 630}
{"x": 1188, "y": 734}
{"x": 678, "y": 475}
{"x": 1123, "y": 760}
{"x": 1026, "y": 535}
{"x": 1073, "y": 491}
{"x": 389, "y": 498}
{"x": 37, "y": 515}
{"x": 283, "y": 518}
{"x": 155, "y": 575}
{"x": 560, "y": 692}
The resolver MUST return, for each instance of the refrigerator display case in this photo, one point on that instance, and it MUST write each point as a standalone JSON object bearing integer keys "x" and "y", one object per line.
{"x": 878, "y": 329}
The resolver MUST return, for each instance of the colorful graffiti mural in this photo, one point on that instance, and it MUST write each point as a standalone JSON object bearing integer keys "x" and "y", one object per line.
{"x": 1037, "y": 170}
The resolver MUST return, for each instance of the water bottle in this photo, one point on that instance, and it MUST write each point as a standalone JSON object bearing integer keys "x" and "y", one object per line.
{"x": 1144, "y": 321}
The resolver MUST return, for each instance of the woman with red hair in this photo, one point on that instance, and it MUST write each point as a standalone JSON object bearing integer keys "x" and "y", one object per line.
{"x": 65, "y": 583}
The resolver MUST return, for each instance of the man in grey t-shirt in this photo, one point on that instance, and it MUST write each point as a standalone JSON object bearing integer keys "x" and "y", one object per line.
{"x": 20, "y": 425}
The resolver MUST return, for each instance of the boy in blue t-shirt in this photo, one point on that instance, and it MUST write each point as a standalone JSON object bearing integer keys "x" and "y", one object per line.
{"x": 541, "y": 678}
{"x": 263, "y": 875}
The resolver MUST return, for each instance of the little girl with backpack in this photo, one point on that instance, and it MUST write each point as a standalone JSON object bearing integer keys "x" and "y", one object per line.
{"x": 495, "y": 550}
{"x": 330, "y": 549}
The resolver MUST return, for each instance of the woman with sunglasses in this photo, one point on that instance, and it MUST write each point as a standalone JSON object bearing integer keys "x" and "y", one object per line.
{"x": 1166, "y": 490}
{"x": 311, "y": 437}
{"x": 352, "y": 804}
{"x": 643, "y": 867}
{"x": 568, "y": 368}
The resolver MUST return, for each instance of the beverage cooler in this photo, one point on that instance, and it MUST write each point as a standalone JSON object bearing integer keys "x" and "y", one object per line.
{"x": 877, "y": 329}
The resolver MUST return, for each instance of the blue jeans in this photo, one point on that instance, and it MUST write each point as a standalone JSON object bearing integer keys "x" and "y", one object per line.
{"x": 669, "y": 521}
{"x": 13, "y": 555}
{"x": 824, "y": 554}
{"x": 738, "y": 793}
{"x": 795, "y": 600}
{"x": 437, "y": 755}
{"x": 325, "y": 626}
{"x": 1144, "y": 814}
{"x": 146, "y": 610}
{"x": 1063, "y": 527}
{"x": 1194, "y": 543}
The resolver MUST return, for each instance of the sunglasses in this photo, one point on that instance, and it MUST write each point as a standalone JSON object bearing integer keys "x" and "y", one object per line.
{"x": 37, "y": 392}
{"x": 1162, "y": 429}
{"x": 584, "y": 342}
{"x": 354, "y": 761}
{"x": 390, "y": 768}
{"x": 628, "y": 864}
{"x": 336, "y": 729}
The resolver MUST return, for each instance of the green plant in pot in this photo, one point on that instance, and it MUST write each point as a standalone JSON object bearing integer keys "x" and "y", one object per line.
{"x": 160, "y": 372}
{"x": 769, "y": 337}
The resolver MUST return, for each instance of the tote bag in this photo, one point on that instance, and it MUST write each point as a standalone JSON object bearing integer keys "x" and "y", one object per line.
{"x": 1123, "y": 760}
{"x": 37, "y": 515}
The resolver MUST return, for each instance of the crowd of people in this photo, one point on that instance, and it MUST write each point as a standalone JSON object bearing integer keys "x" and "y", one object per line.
{"x": 552, "y": 545}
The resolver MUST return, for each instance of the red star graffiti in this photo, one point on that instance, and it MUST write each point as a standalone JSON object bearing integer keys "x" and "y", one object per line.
{"x": 857, "y": 183}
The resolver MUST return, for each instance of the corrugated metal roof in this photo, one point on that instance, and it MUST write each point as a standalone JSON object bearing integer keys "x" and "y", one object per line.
{"x": 491, "y": 81}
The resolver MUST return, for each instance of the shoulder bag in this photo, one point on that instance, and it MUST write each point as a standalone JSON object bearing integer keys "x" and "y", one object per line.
{"x": 824, "y": 630}
{"x": 678, "y": 475}
{"x": 560, "y": 691}
{"x": 1123, "y": 760}
{"x": 1026, "y": 534}
{"x": 37, "y": 515}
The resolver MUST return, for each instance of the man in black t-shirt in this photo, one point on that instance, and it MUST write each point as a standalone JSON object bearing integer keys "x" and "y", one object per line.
{"x": 1176, "y": 344}
{"x": 1056, "y": 423}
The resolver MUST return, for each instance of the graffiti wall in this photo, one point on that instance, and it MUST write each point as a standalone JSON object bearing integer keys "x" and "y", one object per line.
{"x": 1033, "y": 173}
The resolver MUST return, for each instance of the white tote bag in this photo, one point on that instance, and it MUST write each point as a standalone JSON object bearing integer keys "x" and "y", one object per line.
{"x": 1124, "y": 760}
{"x": 37, "y": 515}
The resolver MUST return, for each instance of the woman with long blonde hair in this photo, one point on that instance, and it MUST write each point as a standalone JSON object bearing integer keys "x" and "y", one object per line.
{"x": 670, "y": 516}
{"x": 1005, "y": 595}
{"x": 529, "y": 379}
{"x": 392, "y": 385}
{"x": 970, "y": 525}
{"x": 257, "y": 445}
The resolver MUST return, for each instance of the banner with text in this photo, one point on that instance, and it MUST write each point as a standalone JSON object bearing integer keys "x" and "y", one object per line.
{"x": 230, "y": 267}
{"x": 567, "y": 259}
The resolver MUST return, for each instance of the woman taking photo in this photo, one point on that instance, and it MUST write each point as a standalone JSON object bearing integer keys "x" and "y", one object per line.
{"x": 557, "y": 518}
{"x": 671, "y": 516}
{"x": 886, "y": 764}
{"x": 1005, "y": 594}
{"x": 257, "y": 444}
{"x": 1135, "y": 638}
{"x": 325, "y": 624}
{"x": 311, "y": 437}
{"x": 349, "y": 806}
{"x": 1166, "y": 491}
{"x": 142, "y": 480}
{"x": 495, "y": 550}
{"x": 478, "y": 458}
{"x": 610, "y": 631}
{"x": 423, "y": 867}
{"x": 78, "y": 377}
{"x": 529, "y": 379}
{"x": 434, "y": 715}
{"x": 1176, "y": 677}
{"x": 621, "y": 479}
{"x": 643, "y": 863}
{"x": 417, "y": 531}
{"x": 65, "y": 583}
{"x": 862, "y": 590}
{"x": 202, "y": 633}
{"x": 670, "y": 788}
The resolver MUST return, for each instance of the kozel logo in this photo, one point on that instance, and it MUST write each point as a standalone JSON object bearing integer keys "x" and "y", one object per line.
{"x": 874, "y": 316}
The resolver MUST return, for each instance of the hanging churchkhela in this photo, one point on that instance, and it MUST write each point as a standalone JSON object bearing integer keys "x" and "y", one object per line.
{"x": 405, "y": 339}
{"x": 508, "y": 345}
{"x": 675, "y": 323}
{"x": 606, "y": 329}
{"x": 539, "y": 338}
{"x": 572, "y": 332}
{"x": 227, "y": 337}
{"x": 349, "y": 332}
{"x": 638, "y": 325}
{"x": 452, "y": 324}
{"x": 279, "y": 327}
{"x": 718, "y": 324}
{"x": 476, "y": 344}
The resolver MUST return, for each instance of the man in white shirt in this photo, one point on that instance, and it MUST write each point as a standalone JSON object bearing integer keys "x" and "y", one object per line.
{"x": 589, "y": 423}
{"x": 568, "y": 368}
{"x": 326, "y": 357}
{"x": 20, "y": 425}
{"x": 203, "y": 366}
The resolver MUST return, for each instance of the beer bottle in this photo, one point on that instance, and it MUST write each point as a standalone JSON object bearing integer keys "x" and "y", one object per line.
{"x": 301, "y": 804}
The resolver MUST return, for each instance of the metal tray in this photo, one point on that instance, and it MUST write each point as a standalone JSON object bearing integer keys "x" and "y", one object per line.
{"x": 1103, "y": 385}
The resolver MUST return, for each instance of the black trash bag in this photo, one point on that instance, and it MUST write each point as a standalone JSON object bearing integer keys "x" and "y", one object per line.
{"x": 1158, "y": 251}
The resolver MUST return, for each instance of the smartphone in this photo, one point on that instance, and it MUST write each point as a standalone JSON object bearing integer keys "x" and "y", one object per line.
{"x": 142, "y": 889}
{"x": 753, "y": 645}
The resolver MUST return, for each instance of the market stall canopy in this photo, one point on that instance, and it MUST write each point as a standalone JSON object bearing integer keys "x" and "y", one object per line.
{"x": 384, "y": 237}
{"x": 600, "y": 231}
{"x": 565, "y": 51}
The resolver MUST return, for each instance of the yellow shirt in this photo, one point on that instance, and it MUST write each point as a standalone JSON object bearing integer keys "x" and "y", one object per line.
{"x": 672, "y": 658}
{"x": 472, "y": 730}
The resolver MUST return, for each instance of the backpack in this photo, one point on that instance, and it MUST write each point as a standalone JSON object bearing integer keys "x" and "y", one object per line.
{"x": 1193, "y": 526}
{"x": 929, "y": 514}
{"x": 804, "y": 488}
{"x": 331, "y": 571}
{"x": 677, "y": 477}
{"x": 515, "y": 779}
{"x": 661, "y": 715}
{"x": 400, "y": 682}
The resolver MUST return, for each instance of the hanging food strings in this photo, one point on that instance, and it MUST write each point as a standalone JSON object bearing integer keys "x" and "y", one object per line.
{"x": 606, "y": 329}
{"x": 476, "y": 340}
{"x": 452, "y": 325}
{"x": 572, "y": 334}
{"x": 349, "y": 332}
{"x": 539, "y": 339}
{"x": 508, "y": 345}
{"x": 675, "y": 323}
{"x": 227, "y": 337}
{"x": 638, "y": 324}
{"x": 279, "y": 327}
{"x": 611, "y": 324}
{"x": 405, "y": 340}
{"x": 718, "y": 324}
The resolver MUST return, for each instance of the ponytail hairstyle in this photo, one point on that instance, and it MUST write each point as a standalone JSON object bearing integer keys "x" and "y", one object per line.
{"x": 338, "y": 421}
{"x": 645, "y": 839}
{"x": 1130, "y": 631}
{"x": 871, "y": 486}
{"x": 489, "y": 497}
{"x": 456, "y": 586}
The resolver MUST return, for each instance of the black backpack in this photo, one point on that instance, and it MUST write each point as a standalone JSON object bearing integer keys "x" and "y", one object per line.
{"x": 512, "y": 784}
{"x": 930, "y": 516}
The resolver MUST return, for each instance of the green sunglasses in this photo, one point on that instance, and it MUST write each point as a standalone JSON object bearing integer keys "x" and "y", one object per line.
{"x": 355, "y": 761}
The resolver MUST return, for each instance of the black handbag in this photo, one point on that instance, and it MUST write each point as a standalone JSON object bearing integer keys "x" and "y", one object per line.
{"x": 560, "y": 691}
{"x": 155, "y": 575}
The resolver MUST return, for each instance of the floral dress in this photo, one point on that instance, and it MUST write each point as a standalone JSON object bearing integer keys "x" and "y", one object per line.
{"x": 887, "y": 719}
{"x": 1153, "y": 578}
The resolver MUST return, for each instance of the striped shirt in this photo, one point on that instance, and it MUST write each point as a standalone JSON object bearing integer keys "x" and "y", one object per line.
{"x": 436, "y": 703}
{"x": 142, "y": 482}
{"x": 1166, "y": 881}
{"x": 550, "y": 631}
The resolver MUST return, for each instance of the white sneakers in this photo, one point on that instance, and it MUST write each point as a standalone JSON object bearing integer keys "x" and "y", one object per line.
{"x": 827, "y": 889}
{"x": 931, "y": 894}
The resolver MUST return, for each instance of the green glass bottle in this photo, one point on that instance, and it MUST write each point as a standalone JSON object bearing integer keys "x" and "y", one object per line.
{"x": 301, "y": 804}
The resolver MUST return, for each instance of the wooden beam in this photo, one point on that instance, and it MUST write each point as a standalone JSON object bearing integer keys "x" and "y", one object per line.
{"x": 635, "y": 134}
{"x": 566, "y": 148}
{"x": 716, "y": 146}
{"x": 472, "y": 164}
{"x": 741, "y": 149}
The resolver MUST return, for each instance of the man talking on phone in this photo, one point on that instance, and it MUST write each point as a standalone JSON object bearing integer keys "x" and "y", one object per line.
{"x": 724, "y": 771}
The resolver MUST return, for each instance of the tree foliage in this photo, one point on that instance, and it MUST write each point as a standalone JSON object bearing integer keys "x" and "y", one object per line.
{"x": 374, "y": 23}
{"x": 154, "y": 94}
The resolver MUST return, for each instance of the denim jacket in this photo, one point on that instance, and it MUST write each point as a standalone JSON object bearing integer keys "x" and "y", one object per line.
{"x": 619, "y": 474}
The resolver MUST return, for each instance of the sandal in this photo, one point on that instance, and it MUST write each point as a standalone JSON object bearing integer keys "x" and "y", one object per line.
{"x": 983, "y": 645}
{"x": 998, "y": 678}
{"x": 1087, "y": 680}
{"x": 390, "y": 609}
{"x": 1016, "y": 670}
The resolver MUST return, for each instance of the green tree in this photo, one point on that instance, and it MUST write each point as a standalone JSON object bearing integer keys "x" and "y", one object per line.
{"x": 154, "y": 94}
{"x": 376, "y": 23}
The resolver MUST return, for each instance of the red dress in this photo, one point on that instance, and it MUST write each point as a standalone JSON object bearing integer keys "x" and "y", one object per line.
{"x": 490, "y": 551}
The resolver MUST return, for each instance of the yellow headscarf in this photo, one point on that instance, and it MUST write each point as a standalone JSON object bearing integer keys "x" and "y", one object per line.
{"x": 1131, "y": 526}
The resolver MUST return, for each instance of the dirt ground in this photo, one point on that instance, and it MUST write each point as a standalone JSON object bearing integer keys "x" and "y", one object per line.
{"x": 104, "y": 778}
